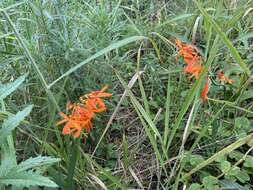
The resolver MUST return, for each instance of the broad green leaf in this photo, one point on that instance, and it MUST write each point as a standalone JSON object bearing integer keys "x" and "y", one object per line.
{"x": 225, "y": 166}
{"x": 243, "y": 176}
{"x": 234, "y": 171}
{"x": 248, "y": 162}
{"x": 12, "y": 122}
{"x": 26, "y": 179}
{"x": 247, "y": 95}
{"x": 210, "y": 182}
{"x": 241, "y": 122}
{"x": 196, "y": 159}
{"x": 236, "y": 155}
{"x": 221, "y": 159}
{"x": 7, "y": 89}
{"x": 35, "y": 162}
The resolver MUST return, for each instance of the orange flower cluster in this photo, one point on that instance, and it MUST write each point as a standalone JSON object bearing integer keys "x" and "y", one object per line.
{"x": 81, "y": 113}
{"x": 191, "y": 58}
{"x": 193, "y": 63}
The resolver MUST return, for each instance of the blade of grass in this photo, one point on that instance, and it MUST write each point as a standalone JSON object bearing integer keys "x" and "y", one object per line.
{"x": 130, "y": 84}
{"x": 143, "y": 94}
{"x": 167, "y": 113}
{"x": 230, "y": 104}
{"x": 143, "y": 115}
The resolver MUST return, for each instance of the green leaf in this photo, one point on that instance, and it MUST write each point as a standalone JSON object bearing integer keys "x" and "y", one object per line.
{"x": 12, "y": 122}
{"x": 243, "y": 176}
{"x": 196, "y": 159}
{"x": 210, "y": 182}
{"x": 195, "y": 186}
{"x": 241, "y": 122}
{"x": 7, "y": 89}
{"x": 234, "y": 171}
{"x": 247, "y": 95}
{"x": 221, "y": 158}
{"x": 248, "y": 162}
{"x": 35, "y": 162}
{"x": 225, "y": 166}
{"x": 26, "y": 179}
{"x": 235, "y": 155}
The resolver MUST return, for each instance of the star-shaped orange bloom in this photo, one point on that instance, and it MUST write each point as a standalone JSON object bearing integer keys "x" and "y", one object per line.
{"x": 82, "y": 113}
{"x": 223, "y": 78}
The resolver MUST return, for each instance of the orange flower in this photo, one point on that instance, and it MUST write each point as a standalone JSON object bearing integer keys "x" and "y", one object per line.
{"x": 71, "y": 125}
{"x": 204, "y": 91}
{"x": 99, "y": 94}
{"x": 93, "y": 100}
{"x": 223, "y": 78}
{"x": 194, "y": 69}
{"x": 191, "y": 58}
{"x": 82, "y": 113}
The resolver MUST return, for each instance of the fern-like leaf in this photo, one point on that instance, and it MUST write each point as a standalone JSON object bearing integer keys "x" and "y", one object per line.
{"x": 26, "y": 179}
{"x": 7, "y": 89}
{"x": 35, "y": 162}
{"x": 12, "y": 122}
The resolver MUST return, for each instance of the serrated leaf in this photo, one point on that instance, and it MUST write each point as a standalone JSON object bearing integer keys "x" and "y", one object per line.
{"x": 35, "y": 162}
{"x": 26, "y": 179}
{"x": 12, "y": 122}
{"x": 7, "y": 89}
